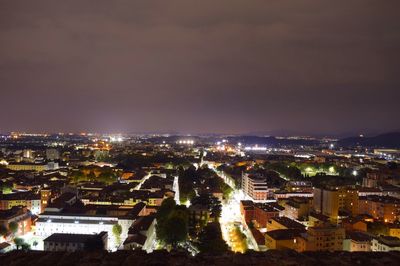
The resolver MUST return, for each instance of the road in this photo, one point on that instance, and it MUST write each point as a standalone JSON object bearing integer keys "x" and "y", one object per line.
{"x": 175, "y": 187}
{"x": 143, "y": 180}
{"x": 231, "y": 217}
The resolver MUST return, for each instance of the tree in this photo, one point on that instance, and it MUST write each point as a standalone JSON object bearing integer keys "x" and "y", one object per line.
{"x": 165, "y": 209}
{"x": 117, "y": 231}
{"x": 187, "y": 179}
{"x": 91, "y": 176}
{"x": 107, "y": 178}
{"x": 172, "y": 223}
{"x": 5, "y": 188}
{"x": 210, "y": 239}
{"x": 13, "y": 226}
{"x": 25, "y": 246}
{"x": 19, "y": 242}
{"x": 3, "y": 231}
{"x": 175, "y": 229}
{"x": 213, "y": 204}
{"x": 78, "y": 176}
{"x": 241, "y": 240}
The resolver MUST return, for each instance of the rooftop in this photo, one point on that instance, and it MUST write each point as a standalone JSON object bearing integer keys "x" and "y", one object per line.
{"x": 72, "y": 238}
{"x": 289, "y": 223}
{"x": 20, "y": 196}
{"x": 358, "y": 236}
{"x": 284, "y": 234}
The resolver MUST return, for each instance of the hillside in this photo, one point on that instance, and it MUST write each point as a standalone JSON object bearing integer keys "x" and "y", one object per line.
{"x": 388, "y": 140}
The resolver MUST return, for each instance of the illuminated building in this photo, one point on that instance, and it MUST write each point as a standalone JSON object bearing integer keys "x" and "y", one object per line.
{"x": 27, "y": 167}
{"x": 348, "y": 200}
{"x": 131, "y": 199}
{"x": 325, "y": 237}
{"x": 141, "y": 234}
{"x": 255, "y": 187}
{"x": 385, "y": 244}
{"x": 89, "y": 222}
{"x": 27, "y": 199}
{"x": 315, "y": 219}
{"x": 326, "y": 202}
{"x": 285, "y": 195}
{"x": 259, "y": 213}
{"x": 278, "y": 223}
{"x": 282, "y": 239}
{"x": 296, "y": 208}
{"x": 394, "y": 230}
{"x": 5, "y": 247}
{"x": 354, "y": 224}
{"x": 366, "y": 191}
{"x": 330, "y": 201}
{"x": 19, "y": 215}
{"x": 356, "y": 241}
{"x": 384, "y": 208}
{"x": 45, "y": 196}
{"x": 27, "y": 154}
{"x": 299, "y": 186}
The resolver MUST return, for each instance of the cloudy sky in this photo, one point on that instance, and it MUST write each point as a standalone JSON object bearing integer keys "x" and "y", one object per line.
{"x": 268, "y": 66}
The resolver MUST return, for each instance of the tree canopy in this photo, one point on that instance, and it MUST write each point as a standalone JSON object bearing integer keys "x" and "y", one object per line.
{"x": 210, "y": 239}
{"x": 172, "y": 223}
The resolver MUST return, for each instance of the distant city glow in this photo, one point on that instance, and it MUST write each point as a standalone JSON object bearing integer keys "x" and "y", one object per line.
{"x": 255, "y": 148}
{"x": 116, "y": 139}
{"x": 187, "y": 142}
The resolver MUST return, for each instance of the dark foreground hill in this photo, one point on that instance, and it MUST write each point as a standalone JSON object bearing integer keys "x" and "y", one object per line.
{"x": 389, "y": 140}
{"x": 163, "y": 258}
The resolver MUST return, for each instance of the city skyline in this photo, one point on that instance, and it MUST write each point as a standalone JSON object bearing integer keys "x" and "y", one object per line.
{"x": 230, "y": 67}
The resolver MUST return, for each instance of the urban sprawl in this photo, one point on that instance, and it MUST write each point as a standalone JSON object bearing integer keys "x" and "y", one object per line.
{"x": 77, "y": 192}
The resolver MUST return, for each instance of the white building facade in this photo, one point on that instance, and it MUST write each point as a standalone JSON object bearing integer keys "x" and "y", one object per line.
{"x": 49, "y": 224}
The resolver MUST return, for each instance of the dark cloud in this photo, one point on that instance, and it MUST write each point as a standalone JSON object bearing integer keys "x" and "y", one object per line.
{"x": 229, "y": 66}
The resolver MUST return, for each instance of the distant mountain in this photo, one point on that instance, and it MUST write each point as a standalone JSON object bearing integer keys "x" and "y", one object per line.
{"x": 388, "y": 140}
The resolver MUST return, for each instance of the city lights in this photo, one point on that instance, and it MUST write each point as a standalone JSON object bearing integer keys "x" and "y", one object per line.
{"x": 187, "y": 142}
{"x": 199, "y": 133}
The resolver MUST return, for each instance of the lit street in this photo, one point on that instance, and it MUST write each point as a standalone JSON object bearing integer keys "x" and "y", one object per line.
{"x": 231, "y": 219}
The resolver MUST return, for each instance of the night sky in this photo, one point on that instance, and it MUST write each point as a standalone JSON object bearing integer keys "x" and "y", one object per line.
{"x": 268, "y": 66}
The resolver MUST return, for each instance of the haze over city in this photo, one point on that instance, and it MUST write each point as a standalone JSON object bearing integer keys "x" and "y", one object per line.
{"x": 268, "y": 67}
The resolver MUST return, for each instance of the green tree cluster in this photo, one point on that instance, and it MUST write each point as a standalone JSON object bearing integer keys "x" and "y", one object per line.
{"x": 117, "y": 231}
{"x": 213, "y": 204}
{"x": 172, "y": 223}
{"x": 210, "y": 239}
{"x": 13, "y": 226}
{"x": 290, "y": 171}
{"x": 21, "y": 244}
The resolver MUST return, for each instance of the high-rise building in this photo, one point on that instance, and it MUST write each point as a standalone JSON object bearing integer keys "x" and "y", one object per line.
{"x": 326, "y": 202}
{"x": 330, "y": 201}
{"x": 255, "y": 187}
